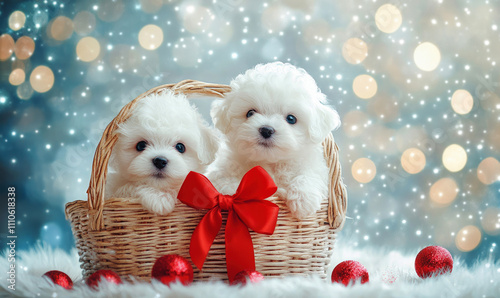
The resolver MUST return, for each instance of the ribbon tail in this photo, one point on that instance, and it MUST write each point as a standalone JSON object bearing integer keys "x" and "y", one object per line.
{"x": 204, "y": 235}
{"x": 239, "y": 247}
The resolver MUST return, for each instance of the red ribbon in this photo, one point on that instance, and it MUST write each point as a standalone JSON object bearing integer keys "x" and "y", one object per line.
{"x": 247, "y": 208}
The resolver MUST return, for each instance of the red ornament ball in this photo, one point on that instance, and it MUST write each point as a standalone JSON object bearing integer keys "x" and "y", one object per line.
{"x": 172, "y": 268}
{"x": 60, "y": 278}
{"x": 247, "y": 276}
{"x": 432, "y": 261}
{"x": 99, "y": 275}
{"x": 348, "y": 272}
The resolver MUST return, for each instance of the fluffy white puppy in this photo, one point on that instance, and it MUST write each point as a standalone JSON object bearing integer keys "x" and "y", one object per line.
{"x": 157, "y": 146}
{"x": 274, "y": 117}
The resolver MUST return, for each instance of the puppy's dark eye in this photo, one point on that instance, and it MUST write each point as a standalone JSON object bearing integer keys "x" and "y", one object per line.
{"x": 250, "y": 113}
{"x": 141, "y": 146}
{"x": 180, "y": 147}
{"x": 291, "y": 119}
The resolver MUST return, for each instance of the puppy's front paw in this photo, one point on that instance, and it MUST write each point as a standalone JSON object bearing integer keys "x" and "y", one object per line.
{"x": 302, "y": 204}
{"x": 157, "y": 202}
{"x": 227, "y": 186}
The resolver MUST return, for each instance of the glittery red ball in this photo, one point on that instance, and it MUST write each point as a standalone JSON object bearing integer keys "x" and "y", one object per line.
{"x": 60, "y": 278}
{"x": 99, "y": 275}
{"x": 433, "y": 260}
{"x": 247, "y": 276}
{"x": 348, "y": 272}
{"x": 172, "y": 268}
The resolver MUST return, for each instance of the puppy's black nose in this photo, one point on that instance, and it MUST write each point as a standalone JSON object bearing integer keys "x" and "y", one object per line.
{"x": 160, "y": 162}
{"x": 266, "y": 131}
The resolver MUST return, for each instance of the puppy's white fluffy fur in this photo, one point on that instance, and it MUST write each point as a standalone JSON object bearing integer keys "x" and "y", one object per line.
{"x": 162, "y": 121}
{"x": 293, "y": 155}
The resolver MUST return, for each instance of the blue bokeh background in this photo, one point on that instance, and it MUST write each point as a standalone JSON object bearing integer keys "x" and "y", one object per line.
{"x": 47, "y": 140}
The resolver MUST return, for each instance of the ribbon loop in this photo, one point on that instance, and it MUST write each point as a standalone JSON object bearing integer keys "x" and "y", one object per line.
{"x": 246, "y": 209}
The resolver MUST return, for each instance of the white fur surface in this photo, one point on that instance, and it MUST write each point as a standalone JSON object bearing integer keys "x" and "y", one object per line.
{"x": 482, "y": 280}
{"x": 292, "y": 154}
{"x": 162, "y": 121}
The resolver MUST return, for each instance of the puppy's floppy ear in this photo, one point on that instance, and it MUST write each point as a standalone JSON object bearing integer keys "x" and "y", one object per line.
{"x": 209, "y": 144}
{"x": 220, "y": 115}
{"x": 324, "y": 120}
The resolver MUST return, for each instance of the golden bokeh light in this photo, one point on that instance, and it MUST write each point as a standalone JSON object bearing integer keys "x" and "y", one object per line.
{"x": 61, "y": 28}
{"x": 462, "y": 102}
{"x": 491, "y": 221}
{"x": 7, "y": 46}
{"x": 151, "y": 6}
{"x": 197, "y": 19}
{"x": 468, "y": 238}
{"x": 17, "y": 77}
{"x": 364, "y": 86}
{"x": 17, "y": 20}
{"x": 444, "y": 191}
{"x": 388, "y": 18}
{"x": 88, "y": 49}
{"x": 413, "y": 160}
{"x": 354, "y": 50}
{"x": 24, "y": 48}
{"x": 42, "y": 79}
{"x": 84, "y": 22}
{"x": 150, "y": 37}
{"x": 454, "y": 158}
{"x": 488, "y": 171}
{"x": 354, "y": 123}
{"x": 363, "y": 170}
{"x": 427, "y": 56}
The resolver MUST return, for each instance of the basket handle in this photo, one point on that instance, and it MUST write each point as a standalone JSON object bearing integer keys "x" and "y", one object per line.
{"x": 337, "y": 194}
{"x": 337, "y": 203}
{"x": 95, "y": 192}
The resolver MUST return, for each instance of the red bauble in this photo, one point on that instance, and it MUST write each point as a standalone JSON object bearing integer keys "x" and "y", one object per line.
{"x": 172, "y": 268}
{"x": 433, "y": 260}
{"x": 99, "y": 275}
{"x": 247, "y": 276}
{"x": 350, "y": 271}
{"x": 60, "y": 278}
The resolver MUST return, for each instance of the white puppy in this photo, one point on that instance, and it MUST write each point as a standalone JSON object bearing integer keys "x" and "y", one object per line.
{"x": 157, "y": 146}
{"x": 274, "y": 117}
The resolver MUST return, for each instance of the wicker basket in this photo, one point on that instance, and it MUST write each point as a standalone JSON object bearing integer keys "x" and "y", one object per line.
{"x": 120, "y": 235}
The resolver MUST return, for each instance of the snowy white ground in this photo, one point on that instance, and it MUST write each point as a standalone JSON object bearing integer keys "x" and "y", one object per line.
{"x": 384, "y": 266}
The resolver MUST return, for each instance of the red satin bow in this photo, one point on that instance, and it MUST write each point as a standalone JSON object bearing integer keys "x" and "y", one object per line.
{"x": 246, "y": 209}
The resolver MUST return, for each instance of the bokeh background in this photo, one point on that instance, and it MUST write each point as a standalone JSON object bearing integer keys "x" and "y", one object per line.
{"x": 416, "y": 84}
